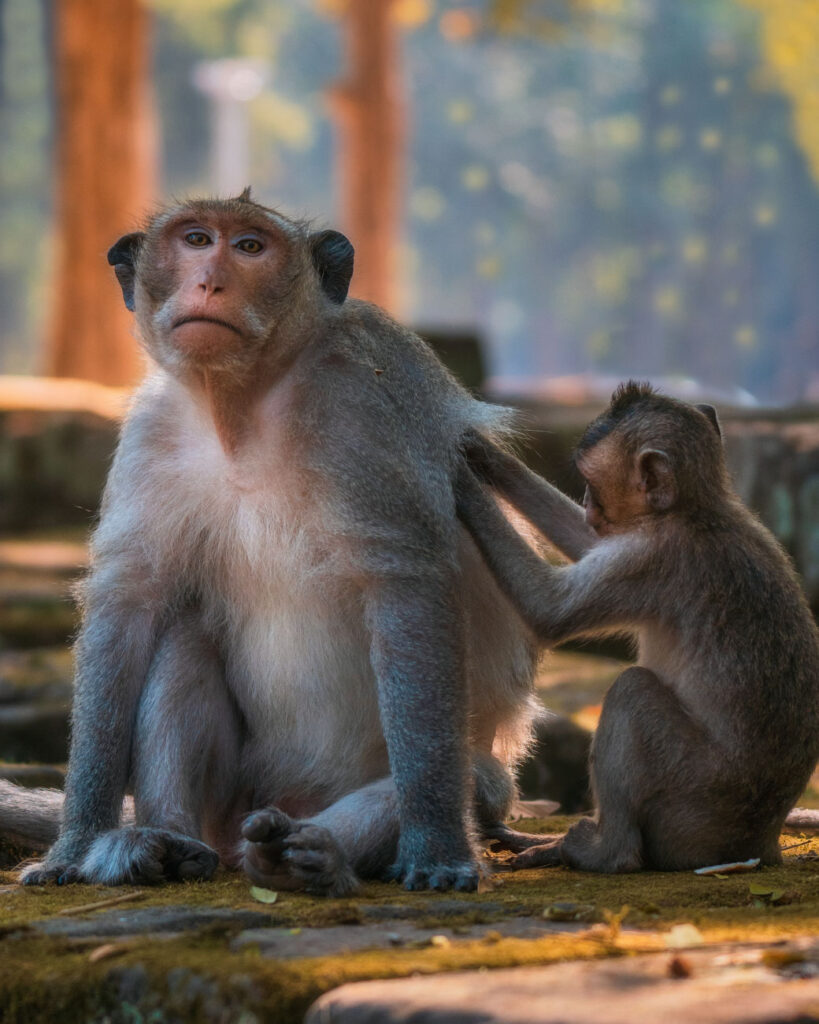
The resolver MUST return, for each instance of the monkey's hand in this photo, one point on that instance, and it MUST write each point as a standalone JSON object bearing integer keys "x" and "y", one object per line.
{"x": 127, "y": 856}
{"x": 418, "y": 869}
{"x": 481, "y": 454}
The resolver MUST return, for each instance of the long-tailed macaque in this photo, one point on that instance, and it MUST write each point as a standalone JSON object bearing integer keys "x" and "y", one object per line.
{"x": 283, "y": 615}
{"x": 701, "y": 750}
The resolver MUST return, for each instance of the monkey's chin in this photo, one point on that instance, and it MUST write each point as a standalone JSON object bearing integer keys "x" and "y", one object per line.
{"x": 206, "y": 342}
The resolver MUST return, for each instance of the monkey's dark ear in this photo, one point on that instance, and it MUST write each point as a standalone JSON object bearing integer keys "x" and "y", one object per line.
{"x": 713, "y": 419}
{"x": 657, "y": 479}
{"x": 122, "y": 256}
{"x": 333, "y": 256}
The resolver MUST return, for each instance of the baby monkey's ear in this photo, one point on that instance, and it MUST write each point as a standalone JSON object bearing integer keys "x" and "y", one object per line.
{"x": 123, "y": 256}
{"x": 711, "y": 413}
{"x": 333, "y": 256}
{"x": 657, "y": 479}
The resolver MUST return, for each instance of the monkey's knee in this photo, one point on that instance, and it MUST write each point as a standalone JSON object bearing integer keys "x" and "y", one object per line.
{"x": 495, "y": 790}
{"x": 593, "y": 846}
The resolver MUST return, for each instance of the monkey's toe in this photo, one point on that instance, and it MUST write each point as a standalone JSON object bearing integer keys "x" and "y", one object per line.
{"x": 462, "y": 877}
{"x": 313, "y": 855}
{"x": 41, "y": 873}
{"x": 547, "y": 855}
{"x": 268, "y": 826}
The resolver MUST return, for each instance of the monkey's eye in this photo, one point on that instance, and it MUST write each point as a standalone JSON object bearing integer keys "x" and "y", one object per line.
{"x": 198, "y": 239}
{"x": 252, "y": 246}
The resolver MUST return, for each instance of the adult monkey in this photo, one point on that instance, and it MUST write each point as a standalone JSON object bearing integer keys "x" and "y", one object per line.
{"x": 282, "y": 611}
{"x": 703, "y": 749}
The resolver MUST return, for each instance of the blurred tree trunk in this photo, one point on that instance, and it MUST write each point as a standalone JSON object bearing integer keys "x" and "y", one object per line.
{"x": 371, "y": 127}
{"x": 105, "y": 169}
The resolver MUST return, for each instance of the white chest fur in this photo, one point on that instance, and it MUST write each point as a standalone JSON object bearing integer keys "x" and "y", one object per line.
{"x": 278, "y": 597}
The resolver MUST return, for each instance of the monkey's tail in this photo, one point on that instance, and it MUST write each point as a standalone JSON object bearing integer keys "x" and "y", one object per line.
{"x": 31, "y": 818}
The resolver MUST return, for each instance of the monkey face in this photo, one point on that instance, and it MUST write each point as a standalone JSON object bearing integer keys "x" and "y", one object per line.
{"x": 215, "y": 284}
{"x": 210, "y": 287}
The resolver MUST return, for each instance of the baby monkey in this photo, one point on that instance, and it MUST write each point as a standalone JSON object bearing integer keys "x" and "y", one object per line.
{"x": 703, "y": 748}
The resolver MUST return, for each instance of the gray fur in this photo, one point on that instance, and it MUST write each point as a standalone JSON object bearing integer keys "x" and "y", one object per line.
{"x": 700, "y": 752}
{"x": 282, "y": 609}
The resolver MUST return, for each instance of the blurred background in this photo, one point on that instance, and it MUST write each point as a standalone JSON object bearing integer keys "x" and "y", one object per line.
{"x": 557, "y": 194}
{"x": 595, "y": 187}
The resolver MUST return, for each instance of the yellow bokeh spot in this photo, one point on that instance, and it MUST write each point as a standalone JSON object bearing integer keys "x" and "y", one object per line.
{"x": 668, "y": 301}
{"x": 474, "y": 177}
{"x": 745, "y": 336}
{"x": 598, "y": 344}
{"x": 283, "y": 120}
{"x": 622, "y": 132}
{"x": 612, "y": 273}
{"x": 427, "y": 203}
{"x": 695, "y": 250}
{"x": 489, "y": 267}
{"x": 722, "y": 85}
{"x": 730, "y": 253}
{"x": 411, "y": 13}
{"x": 710, "y": 139}
{"x": 767, "y": 155}
{"x": 730, "y": 297}
{"x": 460, "y": 111}
{"x": 668, "y": 137}
{"x": 670, "y": 95}
{"x": 764, "y": 215}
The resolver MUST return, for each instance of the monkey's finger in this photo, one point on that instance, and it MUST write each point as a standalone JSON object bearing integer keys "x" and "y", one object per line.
{"x": 310, "y": 837}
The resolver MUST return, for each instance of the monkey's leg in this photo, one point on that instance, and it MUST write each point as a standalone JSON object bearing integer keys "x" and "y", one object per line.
{"x": 186, "y": 749}
{"x": 650, "y": 762}
{"x": 357, "y": 836}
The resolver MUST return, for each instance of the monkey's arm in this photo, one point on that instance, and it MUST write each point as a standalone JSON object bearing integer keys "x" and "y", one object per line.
{"x": 113, "y": 655}
{"x": 561, "y": 520}
{"x": 605, "y": 590}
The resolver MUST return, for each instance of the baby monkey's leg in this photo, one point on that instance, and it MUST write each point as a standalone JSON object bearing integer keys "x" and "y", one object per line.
{"x": 649, "y": 764}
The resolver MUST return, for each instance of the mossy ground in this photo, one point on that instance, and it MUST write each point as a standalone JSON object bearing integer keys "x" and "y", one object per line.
{"x": 45, "y": 978}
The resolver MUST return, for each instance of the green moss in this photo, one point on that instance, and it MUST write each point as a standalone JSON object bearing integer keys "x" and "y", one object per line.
{"x": 46, "y": 979}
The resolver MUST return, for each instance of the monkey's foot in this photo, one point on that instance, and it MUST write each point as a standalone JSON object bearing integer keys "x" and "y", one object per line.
{"x": 281, "y": 853}
{"x": 545, "y": 855}
{"x": 418, "y": 873}
{"x": 502, "y": 837}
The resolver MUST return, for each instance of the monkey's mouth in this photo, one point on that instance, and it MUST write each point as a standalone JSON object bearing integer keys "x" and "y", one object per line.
{"x": 207, "y": 320}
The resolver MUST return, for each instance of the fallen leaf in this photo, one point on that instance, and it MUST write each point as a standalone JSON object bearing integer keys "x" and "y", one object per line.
{"x": 263, "y": 895}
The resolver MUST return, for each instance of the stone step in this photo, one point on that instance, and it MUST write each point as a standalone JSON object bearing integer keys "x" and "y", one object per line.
{"x": 735, "y": 985}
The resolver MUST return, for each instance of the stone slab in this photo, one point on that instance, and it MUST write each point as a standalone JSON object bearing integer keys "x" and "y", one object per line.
{"x": 290, "y": 943}
{"x": 171, "y": 920}
{"x": 760, "y": 985}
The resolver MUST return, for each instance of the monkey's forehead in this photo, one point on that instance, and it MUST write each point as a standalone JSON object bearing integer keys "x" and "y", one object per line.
{"x": 243, "y": 210}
